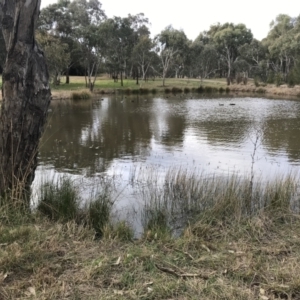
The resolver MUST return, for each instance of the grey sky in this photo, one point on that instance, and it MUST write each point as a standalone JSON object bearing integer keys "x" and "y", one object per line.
{"x": 195, "y": 16}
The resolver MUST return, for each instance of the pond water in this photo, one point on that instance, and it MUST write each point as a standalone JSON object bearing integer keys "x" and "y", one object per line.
{"x": 118, "y": 135}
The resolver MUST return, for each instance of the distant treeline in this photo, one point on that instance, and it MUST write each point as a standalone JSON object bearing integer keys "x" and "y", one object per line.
{"x": 79, "y": 39}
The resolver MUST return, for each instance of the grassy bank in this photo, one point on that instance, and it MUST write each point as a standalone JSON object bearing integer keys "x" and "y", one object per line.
{"x": 241, "y": 242}
{"x": 103, "y": 85}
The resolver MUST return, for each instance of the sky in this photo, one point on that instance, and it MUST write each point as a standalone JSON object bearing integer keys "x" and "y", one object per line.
{"x": 195, "y": 16}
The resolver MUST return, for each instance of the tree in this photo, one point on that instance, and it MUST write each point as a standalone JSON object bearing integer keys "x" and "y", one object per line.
{"x": 283, "y": 43}
{"x": 26, "y": 96}
{"x": 228, "y": 38}
{"x": 170, "y": 42}
{"x": 57, "y": 55}
{"x": 255, "y": 55}
{"x": 142, "y": 54}
{"x": 2, "y": 52}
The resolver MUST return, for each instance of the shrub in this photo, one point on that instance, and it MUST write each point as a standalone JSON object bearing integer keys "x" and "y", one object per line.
{"x": 144, "y": 91}
{"x": 187, "y": 90}
{"x": 200, "y": 89}
{"x": 208, "y": 89}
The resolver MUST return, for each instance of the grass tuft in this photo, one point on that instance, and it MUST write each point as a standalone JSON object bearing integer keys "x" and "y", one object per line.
{"x": 59, "y": 201}
{"x": 82, "y": 95}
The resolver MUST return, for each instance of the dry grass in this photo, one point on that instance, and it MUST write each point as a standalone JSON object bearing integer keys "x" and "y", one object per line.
{"x": 253, "y": 259}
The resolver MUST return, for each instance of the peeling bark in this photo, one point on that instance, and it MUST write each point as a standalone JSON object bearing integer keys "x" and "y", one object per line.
{"x": 26, "y": 96}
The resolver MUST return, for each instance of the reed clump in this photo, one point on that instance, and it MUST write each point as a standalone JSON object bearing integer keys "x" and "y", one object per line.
{"x": 81, "y": 95}
{"x": 176, "y": 90}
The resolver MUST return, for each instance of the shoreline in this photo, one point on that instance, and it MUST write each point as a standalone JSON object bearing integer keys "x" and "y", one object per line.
{"x": 282, "y": 91}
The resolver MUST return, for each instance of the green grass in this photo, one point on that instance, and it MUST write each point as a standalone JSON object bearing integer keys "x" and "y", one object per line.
{"x": 77, "y": 82}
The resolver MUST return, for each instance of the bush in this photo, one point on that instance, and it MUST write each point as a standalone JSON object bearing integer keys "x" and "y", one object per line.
{"x": 200, "y": 89}
{"x": 144, "y": 91}
{"x": 208, "y": 89}
{"x": 187, "y": 90}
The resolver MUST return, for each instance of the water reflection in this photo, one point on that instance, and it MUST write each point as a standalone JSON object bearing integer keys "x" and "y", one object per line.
{"x": 117, "y": 135}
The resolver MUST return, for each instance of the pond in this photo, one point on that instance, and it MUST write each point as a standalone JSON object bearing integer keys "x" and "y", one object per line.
{"x": 118, "y": 136}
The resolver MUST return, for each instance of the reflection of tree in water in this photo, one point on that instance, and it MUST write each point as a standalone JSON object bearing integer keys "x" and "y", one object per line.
{"x": 283, "y": 134}
{"x": 170, "y": 121}
{"x": 90, "y": 136}
{"x": 175, "y": 133}
{"x": 233, "y": 131}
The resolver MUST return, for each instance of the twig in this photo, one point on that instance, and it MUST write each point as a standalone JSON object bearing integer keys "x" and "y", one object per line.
{"x": 185, "y": 253}
{"x": 183, "y": 275}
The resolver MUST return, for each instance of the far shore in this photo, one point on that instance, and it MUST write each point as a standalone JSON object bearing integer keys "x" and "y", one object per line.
{"x": 107, "y": 86}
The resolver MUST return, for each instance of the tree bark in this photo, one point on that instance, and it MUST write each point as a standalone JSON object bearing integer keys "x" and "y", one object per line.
{"x": 26, "y": 96}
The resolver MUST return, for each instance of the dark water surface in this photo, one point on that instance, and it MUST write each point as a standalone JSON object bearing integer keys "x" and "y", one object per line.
{"x": 118, "y": 135}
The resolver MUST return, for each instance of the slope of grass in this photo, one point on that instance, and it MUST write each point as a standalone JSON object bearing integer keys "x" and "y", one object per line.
{"x": 254, "y": 259}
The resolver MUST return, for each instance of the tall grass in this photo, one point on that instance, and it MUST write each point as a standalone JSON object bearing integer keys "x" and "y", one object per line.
{"x": 187, "y": 197}
{"x": 169, "y": 202}
{"x": 61, "y": 202}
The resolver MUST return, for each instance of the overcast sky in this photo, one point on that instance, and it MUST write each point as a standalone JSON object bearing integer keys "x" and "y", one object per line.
{"x": 194, "y": 16}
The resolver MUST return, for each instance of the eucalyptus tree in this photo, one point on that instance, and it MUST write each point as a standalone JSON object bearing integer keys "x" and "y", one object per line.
{"x": 169, "y": 43}
{"x": 121, "y": 36}
{"x": 86, "y": 18}
{"x": 77, "y": 24}
{"x": 227, "y": 39}
{"x": 55, "y": 22}
{"x": 143, "y": 54}
{"x": 283, "y": 43}
{"x": 26, "y": 97}
{"x": 118, "y": 35}
{"x": 57, "y": 54}
{"x": 2, "y": 52}
{"x": 255, "y": 54}
{"x": 205, "y": 57}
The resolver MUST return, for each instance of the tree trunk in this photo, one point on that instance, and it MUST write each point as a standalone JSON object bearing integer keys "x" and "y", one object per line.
{"x": 26, "y": 97}
{"x": 68, "y": 76}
